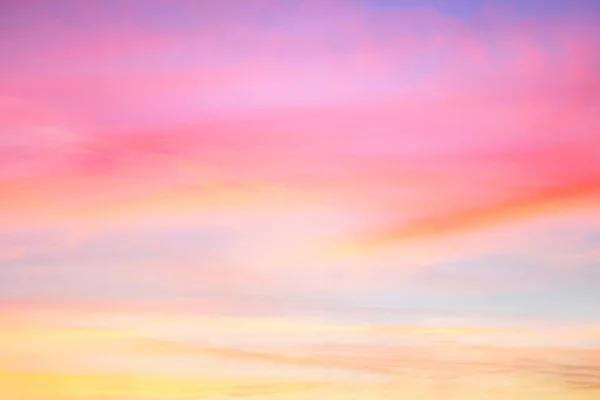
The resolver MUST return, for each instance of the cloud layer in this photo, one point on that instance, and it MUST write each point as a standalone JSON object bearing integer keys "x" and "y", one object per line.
{"x": 322, "y": 198}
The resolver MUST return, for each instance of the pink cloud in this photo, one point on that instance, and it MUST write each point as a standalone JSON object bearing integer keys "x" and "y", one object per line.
{"x": 420, "y": 148}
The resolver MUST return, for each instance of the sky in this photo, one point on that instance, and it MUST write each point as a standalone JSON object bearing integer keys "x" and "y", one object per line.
{"x": 341, "y": 199}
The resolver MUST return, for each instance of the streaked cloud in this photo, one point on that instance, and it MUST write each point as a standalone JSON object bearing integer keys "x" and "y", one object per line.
{"x": 298, "y": 200}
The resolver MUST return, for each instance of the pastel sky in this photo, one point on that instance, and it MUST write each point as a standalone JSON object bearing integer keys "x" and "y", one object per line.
{"x": 286, "y": 199}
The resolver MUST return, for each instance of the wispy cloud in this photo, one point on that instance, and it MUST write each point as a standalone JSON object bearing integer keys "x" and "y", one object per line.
{"x": 317, "y": 199}
{"x": 98, "y": 351}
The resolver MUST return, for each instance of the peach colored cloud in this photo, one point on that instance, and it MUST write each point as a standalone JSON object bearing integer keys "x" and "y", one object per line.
{"x": 521, "y": 369}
